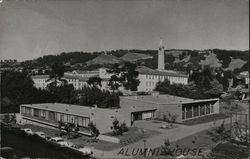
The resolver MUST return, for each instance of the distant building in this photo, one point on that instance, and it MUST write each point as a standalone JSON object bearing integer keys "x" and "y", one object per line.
{"x": 86, "y": 74}
{"x": 244, "y": 76}
{"x": 149, "y": 78}
{"x": 41, "y": 81}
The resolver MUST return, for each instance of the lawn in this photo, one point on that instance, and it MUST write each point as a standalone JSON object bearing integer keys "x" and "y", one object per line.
{"x": 133, "y": 135}
{"x": 230, "y": 151}
{"x": 205, "y": 119}
{"x": 204, "y": 140}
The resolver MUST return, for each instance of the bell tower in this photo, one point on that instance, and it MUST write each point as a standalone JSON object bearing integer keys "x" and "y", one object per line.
{"x": 161, "y": 64}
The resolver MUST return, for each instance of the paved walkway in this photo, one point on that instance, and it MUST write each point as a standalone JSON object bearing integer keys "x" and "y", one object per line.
{"x": 156, "y": 141}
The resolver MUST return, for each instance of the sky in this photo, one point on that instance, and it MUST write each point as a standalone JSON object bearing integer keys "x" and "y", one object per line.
{"x": 33, "y": 28}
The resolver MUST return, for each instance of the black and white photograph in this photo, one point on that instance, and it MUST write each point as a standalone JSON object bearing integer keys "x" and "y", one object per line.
{"x": 124, "y": 79}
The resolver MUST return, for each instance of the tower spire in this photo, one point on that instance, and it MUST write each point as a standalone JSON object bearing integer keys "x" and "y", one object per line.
{"x": 161, "y": 64}
{"x": 161, "y": 42}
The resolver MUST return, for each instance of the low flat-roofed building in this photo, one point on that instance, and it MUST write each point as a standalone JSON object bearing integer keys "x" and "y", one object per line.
{"x": 183, "y": 108}
{"x": 49, "y": 114}
{"x": 132, "y": 108}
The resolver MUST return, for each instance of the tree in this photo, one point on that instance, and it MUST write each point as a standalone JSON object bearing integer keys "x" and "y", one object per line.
{"x": 94, "y": 131}
{"x": 129, "y": 76}
{"x": 216, "y": 89}
{"x": 17, "y": 88}
{"x": 95, "y": 81}
{"x": 124, "y": 75}
{"x": 114, "y": 82}
{"x": 55, "y": 76}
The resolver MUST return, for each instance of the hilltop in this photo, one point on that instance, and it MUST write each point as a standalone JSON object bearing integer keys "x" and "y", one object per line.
{"x": 180, "y": 60}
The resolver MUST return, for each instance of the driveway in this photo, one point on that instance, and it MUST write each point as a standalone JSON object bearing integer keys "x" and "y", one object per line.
{"x": 176, "y": 133}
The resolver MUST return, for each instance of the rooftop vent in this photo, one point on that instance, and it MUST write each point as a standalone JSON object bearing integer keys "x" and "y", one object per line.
{"x": 66, "y": 109}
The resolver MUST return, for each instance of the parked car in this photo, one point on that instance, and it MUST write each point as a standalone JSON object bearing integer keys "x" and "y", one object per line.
{"x": 60, "y": 141}
{"x": 40, "y": 134}
{"x": 83, "y": 150}
{"x": 28, "y": 131}
{"x": 48, "y": 138}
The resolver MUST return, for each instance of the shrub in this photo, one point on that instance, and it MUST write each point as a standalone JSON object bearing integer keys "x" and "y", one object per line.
{"x": 124, "y": 127}
{"x": 118, "y": 129}
{"x": 93, "y": 129}
{"x": 166, "y": 142}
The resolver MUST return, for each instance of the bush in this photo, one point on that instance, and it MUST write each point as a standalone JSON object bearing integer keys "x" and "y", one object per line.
{"x": 93, "y": 129}
{"x": 118, "y": 129}
{"x": 124, "y": 127}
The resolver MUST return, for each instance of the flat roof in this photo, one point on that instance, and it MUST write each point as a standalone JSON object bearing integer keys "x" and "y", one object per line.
{"x": 85, "y": 111}
{"x": 166, "y": 99}
{"x": 63, "y": 108}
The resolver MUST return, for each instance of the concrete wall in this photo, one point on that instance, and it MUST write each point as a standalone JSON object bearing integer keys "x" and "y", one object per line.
{"x": 103, "y": 118}
{"x": 109, "y": 138}
{"x": 217, "y": 107}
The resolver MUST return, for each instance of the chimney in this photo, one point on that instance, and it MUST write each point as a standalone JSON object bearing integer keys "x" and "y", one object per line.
{"x": 161, "y": 64}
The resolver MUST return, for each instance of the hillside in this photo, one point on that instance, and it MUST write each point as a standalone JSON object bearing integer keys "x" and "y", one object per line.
{"x": 181, "y": 60}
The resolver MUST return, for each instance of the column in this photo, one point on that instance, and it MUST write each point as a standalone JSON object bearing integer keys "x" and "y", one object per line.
{"x": 211, "y": 109}
{"x": 185, "y": 111}
{"x": 205, "y": 109}
{"x": 199, "y": 110}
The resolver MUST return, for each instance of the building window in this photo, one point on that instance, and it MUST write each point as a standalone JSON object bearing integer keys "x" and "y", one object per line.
{"x": 23, "y": 110}
{"x": 188, "y": 112}
{"x": 207, "y": 109}
{"x": 183, "y": 113}
{"x": 196, "y": 110}
{"x": 80, "y": 121}
{"x": 28, "y": 111}
{"x": 202, "y": 110}
{"x": 52, "y": 116}
{"x": 36, "y": 112}
{"x": 212, "y": 108}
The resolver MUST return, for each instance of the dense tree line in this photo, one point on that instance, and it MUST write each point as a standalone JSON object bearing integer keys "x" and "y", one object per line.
{"x": 17, "y": 88}
{"x": 203, "y": 84}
